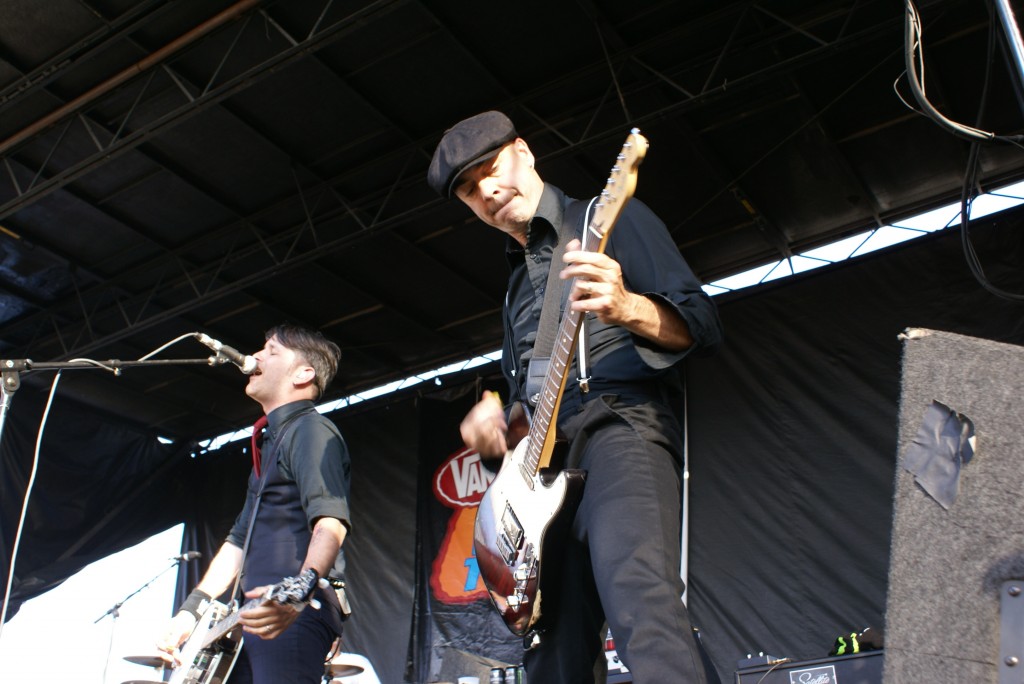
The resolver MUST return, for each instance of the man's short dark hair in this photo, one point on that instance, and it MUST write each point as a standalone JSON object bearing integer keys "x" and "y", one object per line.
{"x": 315, "y": 349}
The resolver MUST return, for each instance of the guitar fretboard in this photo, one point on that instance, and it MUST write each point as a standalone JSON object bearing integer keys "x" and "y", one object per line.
{"x": 617, "y": 191}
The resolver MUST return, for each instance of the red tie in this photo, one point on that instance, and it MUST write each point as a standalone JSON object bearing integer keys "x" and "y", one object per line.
{"x": 257, "y": 429}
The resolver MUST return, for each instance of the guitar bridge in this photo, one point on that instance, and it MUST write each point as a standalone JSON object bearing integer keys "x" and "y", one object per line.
{"x": 511, "y": 535}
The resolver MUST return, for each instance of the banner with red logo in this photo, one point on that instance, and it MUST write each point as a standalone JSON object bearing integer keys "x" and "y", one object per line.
{"x": 454, "y": 623}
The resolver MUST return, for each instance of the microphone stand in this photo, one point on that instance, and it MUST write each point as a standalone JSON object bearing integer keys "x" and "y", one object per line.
{"x": 114, "y": 608}
{"x": 114, "y": 613}
{"x": 11, "y": 369}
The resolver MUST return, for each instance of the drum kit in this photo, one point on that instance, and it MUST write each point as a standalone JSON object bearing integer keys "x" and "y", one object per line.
{"x": 338, "y": 671}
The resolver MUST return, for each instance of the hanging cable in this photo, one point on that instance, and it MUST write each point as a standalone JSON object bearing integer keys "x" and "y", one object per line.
{"x": 914, "y": 54}
{"x": 969, "y": 191}
{"x": 24, "y": 506}
{"x": 914, "y": 57}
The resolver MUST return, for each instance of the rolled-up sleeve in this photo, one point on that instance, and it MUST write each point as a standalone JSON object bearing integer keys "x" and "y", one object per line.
{"x": 653, "y": 266}
{"x": 319, "y": 463}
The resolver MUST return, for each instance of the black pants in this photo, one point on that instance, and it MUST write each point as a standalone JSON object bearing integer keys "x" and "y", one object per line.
{"x": 622, "y": 561}
{"x": 295, "y": 657}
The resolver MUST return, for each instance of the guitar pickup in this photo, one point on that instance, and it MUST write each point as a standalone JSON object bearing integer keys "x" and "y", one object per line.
{"x": 510, "y": 539}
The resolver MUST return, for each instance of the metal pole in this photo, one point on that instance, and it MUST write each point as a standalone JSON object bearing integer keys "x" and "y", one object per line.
{"x": 1012, "y": 30}
{"x": 684, "y": 557}
{"x": 148, "y": 62}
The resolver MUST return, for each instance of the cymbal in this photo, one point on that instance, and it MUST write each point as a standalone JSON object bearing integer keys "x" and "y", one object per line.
{"x": 148, "y": 661}
{"x": 343, "y": 670}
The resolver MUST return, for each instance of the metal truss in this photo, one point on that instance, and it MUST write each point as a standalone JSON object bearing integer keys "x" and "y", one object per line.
{"x": 368, "y": 216}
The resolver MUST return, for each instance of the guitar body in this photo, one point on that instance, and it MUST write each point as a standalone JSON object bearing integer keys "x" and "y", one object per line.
{"x": 208, "y": 664}
{"x": 520, "y": 529}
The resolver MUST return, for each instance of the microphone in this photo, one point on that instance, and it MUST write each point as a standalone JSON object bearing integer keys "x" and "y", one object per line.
{"x": 245, "y": 363}
{"x": 187, "y": 556}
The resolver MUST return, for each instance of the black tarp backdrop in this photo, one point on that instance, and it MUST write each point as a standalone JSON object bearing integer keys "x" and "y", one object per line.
{"x": 381, "y": 551}
{"x": 99, "y": 488}
{"x": 792, "y": 440}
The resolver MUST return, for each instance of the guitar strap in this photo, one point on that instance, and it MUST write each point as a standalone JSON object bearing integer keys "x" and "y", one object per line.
{"x": 552, "y": 308}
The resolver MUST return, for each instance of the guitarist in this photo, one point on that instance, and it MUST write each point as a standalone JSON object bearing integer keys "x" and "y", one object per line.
{"x": 644, "y": 312}
{"x": 302, "y": 519}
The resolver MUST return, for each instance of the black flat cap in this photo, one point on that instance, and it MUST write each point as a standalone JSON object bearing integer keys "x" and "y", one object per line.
{"x": 468, "y": 142}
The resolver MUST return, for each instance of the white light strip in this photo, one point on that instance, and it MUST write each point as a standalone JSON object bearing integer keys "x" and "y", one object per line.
{"x": 869, "y": 241}
{"x": 337, "y": 404}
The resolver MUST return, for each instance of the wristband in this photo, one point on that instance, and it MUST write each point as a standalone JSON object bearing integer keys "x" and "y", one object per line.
{"x": 196, "y": 603}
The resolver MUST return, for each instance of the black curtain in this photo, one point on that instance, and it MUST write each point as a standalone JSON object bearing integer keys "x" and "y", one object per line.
{"x": 381, "y": 551}
{"x": 99, "y": 487}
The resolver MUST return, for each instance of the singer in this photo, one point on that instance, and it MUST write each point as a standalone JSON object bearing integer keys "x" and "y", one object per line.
{"x": 298, "y": 503}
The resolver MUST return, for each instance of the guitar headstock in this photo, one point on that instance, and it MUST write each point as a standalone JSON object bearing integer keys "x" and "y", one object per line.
{"x": 620, "y": 185}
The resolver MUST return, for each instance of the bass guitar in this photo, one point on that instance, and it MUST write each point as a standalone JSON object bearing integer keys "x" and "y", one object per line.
{"x": 527, "y": 509}
{"x": 209, "y": 653}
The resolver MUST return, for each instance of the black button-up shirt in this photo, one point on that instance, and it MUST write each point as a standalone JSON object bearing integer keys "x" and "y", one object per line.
{"x": 618, "y": 361}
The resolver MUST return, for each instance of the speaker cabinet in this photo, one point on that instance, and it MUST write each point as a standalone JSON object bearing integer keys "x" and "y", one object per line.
{"x": 947, "y": 566}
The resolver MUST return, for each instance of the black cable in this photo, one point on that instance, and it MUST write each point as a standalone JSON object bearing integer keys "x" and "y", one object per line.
{"x": 968, "y": 194}
{"x": 913, "y": 37}
{"x": 976, "y": 136}
{"x": 970, "y": 256}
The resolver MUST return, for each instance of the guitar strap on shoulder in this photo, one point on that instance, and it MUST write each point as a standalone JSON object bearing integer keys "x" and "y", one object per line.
{"x": 552, "y": 308}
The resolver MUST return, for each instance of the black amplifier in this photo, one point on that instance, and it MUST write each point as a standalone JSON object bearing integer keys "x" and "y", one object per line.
{"x": 857, "y": 668}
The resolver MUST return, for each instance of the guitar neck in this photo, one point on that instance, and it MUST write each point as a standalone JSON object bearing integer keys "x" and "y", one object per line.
{"x": 617, "y": 192}
{"x": 228, "y": 623}
{"x": 541, "y": 439}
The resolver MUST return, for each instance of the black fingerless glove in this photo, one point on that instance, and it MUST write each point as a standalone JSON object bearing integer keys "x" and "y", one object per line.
{"x": 308, "y": 579}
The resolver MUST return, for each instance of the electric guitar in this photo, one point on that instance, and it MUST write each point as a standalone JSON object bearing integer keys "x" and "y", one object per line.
{"x": 527, "y": 509}
{"x": 209, "y": 653}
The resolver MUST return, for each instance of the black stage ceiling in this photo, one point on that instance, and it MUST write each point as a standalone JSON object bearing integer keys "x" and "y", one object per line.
{"x": 172, "y": 167}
